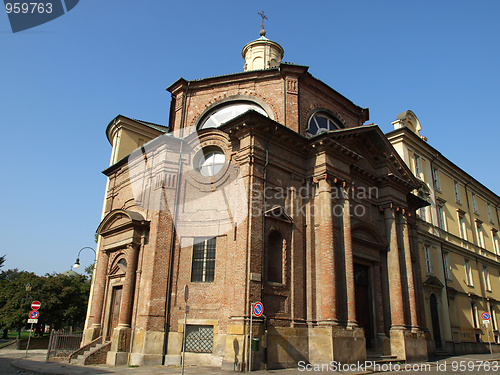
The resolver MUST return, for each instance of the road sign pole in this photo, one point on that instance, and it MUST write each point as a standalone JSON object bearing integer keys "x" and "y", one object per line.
{"x": 29, "y": 337}
{"x": 489, "y": 341}
{"x": 184, "y": 338}
{"x": 250, "y": 339}
{"x": 186, "y": 297}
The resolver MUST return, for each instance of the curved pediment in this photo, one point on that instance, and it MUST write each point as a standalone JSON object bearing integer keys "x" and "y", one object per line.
{"x": 122, "y": 227}
{"x": 367, "y": 233}
{"x": 117, "y": 219}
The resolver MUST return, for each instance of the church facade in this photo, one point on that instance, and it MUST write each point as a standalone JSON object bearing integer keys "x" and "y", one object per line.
{"x": 267, "y": 185}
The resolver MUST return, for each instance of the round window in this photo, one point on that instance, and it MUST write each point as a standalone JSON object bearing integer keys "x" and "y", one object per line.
{"x": 227, "y": 112}
{"x": 210, "y": 162}
{"x": 321, "y": 123}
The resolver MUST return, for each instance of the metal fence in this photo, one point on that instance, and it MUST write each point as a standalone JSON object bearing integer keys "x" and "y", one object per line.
{"x": 62, "y": 344}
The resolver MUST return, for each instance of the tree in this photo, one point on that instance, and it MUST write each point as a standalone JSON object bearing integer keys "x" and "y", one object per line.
{"x": 15, "y": 299}
{"x": 2, "y": 260}
{"x": 63, "y": 299}
{"x": 89, "y": 270}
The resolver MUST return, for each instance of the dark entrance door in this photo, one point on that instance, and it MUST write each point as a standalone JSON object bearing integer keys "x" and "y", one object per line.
{"x": 436, "y": 331}
{"x": 364, "y": 313}
{"x": 114, "y": 314}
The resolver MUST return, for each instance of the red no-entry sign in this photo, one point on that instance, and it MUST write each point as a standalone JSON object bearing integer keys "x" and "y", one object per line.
{"x": 35, "y": 305}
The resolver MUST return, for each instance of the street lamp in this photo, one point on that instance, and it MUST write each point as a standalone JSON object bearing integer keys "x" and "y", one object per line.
{"x": 27, "y": 288}
{"x": 77, "y": 263}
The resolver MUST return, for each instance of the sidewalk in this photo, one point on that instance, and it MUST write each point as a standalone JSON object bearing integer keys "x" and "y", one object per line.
{"x": 35, "y": 363}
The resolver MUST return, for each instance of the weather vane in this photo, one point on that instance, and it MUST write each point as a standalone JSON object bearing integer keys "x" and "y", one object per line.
{"x": 263, "y": 18}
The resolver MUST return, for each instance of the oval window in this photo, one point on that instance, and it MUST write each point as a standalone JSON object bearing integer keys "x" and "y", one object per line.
{"x": 210, "y": 162}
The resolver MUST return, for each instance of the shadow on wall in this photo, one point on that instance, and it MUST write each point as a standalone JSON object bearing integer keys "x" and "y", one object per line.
{"x": 236, "y": 347}
{"x": 285, "y": 351}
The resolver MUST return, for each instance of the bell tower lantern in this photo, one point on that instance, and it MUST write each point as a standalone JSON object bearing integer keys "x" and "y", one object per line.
{"x": 262, "y": 53}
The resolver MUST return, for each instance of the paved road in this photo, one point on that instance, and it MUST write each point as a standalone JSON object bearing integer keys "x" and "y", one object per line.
{"x": 14, "y": 362}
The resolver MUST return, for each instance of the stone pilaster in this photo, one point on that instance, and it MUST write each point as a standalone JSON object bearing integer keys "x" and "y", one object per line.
{"x": 409, "y": 273}
{"x": 348, "y": 259}
{"x": 379, "y": 310}
{"x": 394, "y": 271}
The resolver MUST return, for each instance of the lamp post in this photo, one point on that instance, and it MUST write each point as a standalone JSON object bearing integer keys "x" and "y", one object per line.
{"x": 28, "y": 288}
{"x": 77, "y": 263}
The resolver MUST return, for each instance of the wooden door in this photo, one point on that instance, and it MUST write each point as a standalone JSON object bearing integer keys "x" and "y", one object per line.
{"x": 364, "y": 302}
{"x": 114, "y": 314}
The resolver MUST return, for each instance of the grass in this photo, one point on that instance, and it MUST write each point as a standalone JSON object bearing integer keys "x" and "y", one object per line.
{"x": 12, "y": 335}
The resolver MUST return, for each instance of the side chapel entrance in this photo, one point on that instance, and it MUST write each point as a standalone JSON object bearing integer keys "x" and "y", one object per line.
{"x": 114, "y": 314}
{"x": 364, "y": 313}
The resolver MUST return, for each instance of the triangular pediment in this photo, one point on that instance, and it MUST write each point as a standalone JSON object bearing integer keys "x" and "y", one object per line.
{"x": 433, "y": 282}
{"x": 377, "y": 157}
{"x": 279, "y": 213}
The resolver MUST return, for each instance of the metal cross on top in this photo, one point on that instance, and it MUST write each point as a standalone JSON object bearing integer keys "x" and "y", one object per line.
{"x": 263, "y": 17}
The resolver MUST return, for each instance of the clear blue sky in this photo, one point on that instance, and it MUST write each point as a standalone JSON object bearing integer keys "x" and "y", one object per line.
{"x": 62, "y": 82}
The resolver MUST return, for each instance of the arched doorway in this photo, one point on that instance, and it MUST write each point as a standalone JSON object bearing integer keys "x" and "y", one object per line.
{"x": 436, "y": 330}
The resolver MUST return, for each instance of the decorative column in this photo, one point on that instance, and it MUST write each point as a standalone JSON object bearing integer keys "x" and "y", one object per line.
{"x": 349, "y": 262}
{"x": 409, "y": 272}
{"x": 327, "y": 280}
{"x": 122, "y": 334}
{"x": 394, "y": 271}
{"x": 128, "y": 288}
{"x": 99, "y": 288}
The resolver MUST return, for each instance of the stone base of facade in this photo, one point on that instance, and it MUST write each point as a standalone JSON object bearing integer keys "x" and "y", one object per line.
{"x": 408, "y": 346}
{"x": 286, "y": 347}
{"x": 91, "y": 334}
{"x": 147, "y": 348}
{"x": 120, "y": 346}
{"x": 117, "y": 358}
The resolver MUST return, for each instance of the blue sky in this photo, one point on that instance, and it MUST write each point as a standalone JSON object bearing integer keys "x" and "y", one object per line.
{"x": 62, "y": 82}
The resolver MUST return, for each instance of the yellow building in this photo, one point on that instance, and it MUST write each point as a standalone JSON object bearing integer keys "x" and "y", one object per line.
{"x": 459, "y": 246}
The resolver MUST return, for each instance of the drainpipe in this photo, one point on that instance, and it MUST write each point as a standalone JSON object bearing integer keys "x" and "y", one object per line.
{"x": 264, "y": 214}
{"x": 470, "y": 214}
{"x": 432, "y": 169}
{"x": 172, "y": 239}
{"x": 476, "y": 242}
{"x": 498, "y": 221}
{"x": 446, "y": 286}
{"x": 264, "y": 237}
{"x": 284, "y": 95}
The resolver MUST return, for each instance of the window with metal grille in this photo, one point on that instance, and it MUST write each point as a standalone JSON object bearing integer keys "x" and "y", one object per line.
{"x": 199, "y": 339}
{"x": 203, "y": 267}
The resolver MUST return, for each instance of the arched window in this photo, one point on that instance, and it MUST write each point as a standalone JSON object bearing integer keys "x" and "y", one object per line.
{"x": 321, "y": 122}
{"x": 275, "y": 257}
{"x": 228, "y": 111}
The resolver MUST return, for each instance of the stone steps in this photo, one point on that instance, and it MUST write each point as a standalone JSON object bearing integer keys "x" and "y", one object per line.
{"x": 79, "y": 360}
{"x": 380, "y": 358}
